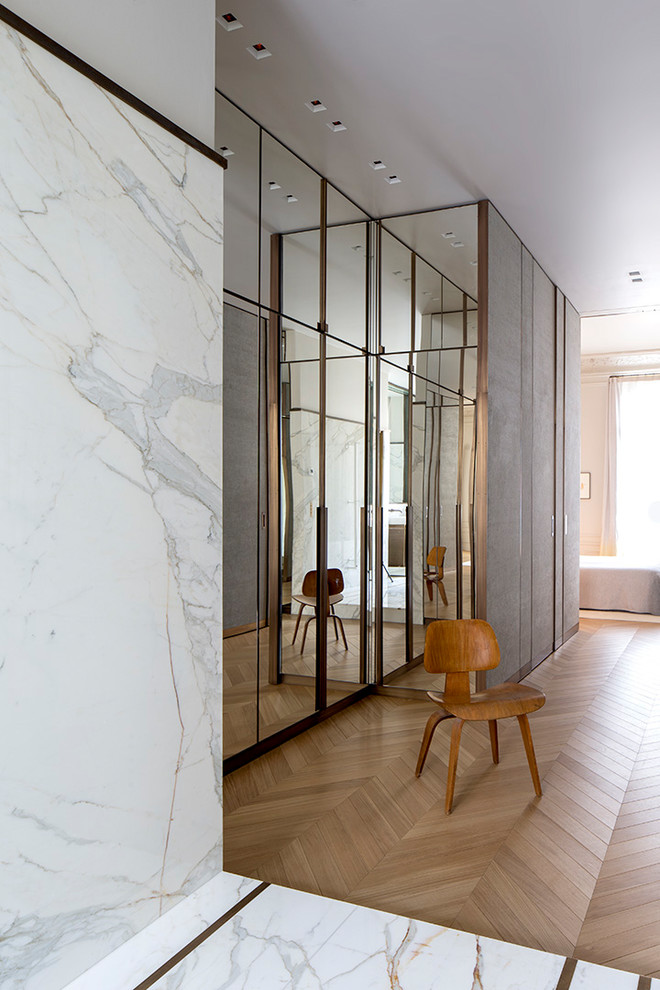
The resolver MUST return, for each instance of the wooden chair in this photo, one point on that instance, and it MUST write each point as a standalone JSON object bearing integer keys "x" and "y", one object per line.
{"x": 308, "y": 597}
{"x": 435, "y": 560}
{"x": 455, "y": 647}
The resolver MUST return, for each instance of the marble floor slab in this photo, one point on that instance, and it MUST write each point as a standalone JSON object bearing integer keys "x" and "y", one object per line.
{"x": 280, "y": 939}
{"x": 285, "y": 939}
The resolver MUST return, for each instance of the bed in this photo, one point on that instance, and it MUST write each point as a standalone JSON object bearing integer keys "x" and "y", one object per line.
{"x": 619, "y": 584}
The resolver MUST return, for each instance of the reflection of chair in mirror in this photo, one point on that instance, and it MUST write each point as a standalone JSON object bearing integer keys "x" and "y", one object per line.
{"x": 308, "y": 597}
{"x": 435, "y": 560}
{"x": 455, "y": 647}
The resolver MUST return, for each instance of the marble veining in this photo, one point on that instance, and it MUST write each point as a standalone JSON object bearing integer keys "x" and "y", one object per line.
{"x": 143, "y": 954}
{"x": 287, "y": 939}
{"x": 110, "y": 529}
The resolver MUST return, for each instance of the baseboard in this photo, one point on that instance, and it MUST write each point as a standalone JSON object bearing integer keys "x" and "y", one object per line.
{"x": 239, "y": 630}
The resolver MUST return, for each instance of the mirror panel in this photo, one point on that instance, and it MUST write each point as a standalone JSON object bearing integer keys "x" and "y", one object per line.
{"x": 294, "y": 698}
{"x": 345, "y": 490}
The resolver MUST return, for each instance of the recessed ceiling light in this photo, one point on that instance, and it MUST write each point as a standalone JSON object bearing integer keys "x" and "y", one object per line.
{"x": 407, "y": 279}
{"x": 290, "y": 198}
{"x": 458, "y": 244}
{"x": 450, "y": 233}
{"x": 274, "y": 185}
{"x": 316, "y": 106}
{"x": 259, "y": 50}
{"x": 397, "y": 273}
{"x": 637, "y": 280}
{"x": 474, "y": 262}
{"x": 436, "y": 299}
{"x": 634, "y": 273}
{"x": 225, "y": 151}
{"x": 377, "y": 164}
{"x": 229, "y": 22}
{"x": 356, "y": 247}
{"x": 336, "y": 125}
{"x": 392, "y": 179}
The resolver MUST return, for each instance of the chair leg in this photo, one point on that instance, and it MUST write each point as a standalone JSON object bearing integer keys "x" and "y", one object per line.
{"x": 429, "y": 588}
{"x": 343, "y": 634}
{"x": 529, "y": 749}
{"x": 334, "y": 619}
{"x": 295, "y": 631}
{"x": 311, "y": 618}
{"x": 453, "y": 763}
{"x": 443, "y": 593}
{"x": 434, "y": 720}
{"x": 494, "y": 745}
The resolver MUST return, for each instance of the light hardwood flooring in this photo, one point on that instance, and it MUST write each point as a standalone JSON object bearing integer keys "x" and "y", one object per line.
{"x": 338, "y": 810}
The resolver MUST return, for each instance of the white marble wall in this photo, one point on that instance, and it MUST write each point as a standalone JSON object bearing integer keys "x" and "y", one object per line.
{"x": 110, "y": 338}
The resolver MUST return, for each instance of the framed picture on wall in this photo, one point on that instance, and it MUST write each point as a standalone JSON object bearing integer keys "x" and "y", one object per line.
{"x": 585, "y": 484}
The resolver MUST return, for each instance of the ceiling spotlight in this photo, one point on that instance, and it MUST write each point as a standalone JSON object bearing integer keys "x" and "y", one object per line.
{"x": 407, "y": 278}
{"x": 356, "y": 247}
{"x": 274, "y": 185}
{"x": 377, "y": 164}
{"x": 336, "y": 125}
{"x": 458, "y": 244}
{"x": 392, "y": 179}
{"x": 290, "y": 199}
{"x": 637, "y": 280}
{"x": 315, "y": 106}
{"x": 226, "y": 152}
{"x": 259, "y": 50}
{"x": 397, "y": 273}
{"x": 450, "y": 233}
{"x": 229, "y": 22}
{"x": 474, "y": 262}
{"x": 634, "y": 273}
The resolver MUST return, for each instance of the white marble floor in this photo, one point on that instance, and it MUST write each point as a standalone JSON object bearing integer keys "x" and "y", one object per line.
{"x": 274, "y": 938}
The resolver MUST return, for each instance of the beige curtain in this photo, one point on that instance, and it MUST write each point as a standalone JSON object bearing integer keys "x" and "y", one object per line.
{"x": 608, "y": 531}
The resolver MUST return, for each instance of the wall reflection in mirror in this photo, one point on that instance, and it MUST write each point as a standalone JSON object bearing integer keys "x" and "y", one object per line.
{"x": 361, "y": 452}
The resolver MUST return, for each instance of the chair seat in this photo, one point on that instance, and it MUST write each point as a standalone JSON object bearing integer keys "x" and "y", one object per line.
{"x": 502, "y": 701}
{"x": 309, "y": 600}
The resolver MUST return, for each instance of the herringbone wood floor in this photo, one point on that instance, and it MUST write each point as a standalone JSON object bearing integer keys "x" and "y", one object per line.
{"x": 338, "y": 811}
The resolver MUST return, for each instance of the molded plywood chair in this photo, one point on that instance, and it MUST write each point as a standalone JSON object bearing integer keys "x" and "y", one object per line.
{"x": 308, "y": 597}
{"x": 435, "y": 560}
{"x": 455, "y": 647}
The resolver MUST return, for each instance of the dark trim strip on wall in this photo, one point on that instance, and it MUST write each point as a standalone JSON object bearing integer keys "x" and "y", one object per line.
{"x": 17, "y": 23}
{"x": 199, "y": 939}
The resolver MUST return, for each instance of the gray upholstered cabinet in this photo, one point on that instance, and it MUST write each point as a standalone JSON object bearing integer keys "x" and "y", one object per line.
{"x": 528, "y": 452}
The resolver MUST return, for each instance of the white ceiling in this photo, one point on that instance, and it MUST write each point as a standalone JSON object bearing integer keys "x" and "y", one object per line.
{"x": 622, "y": 333}
{"x": 549, "y": 110}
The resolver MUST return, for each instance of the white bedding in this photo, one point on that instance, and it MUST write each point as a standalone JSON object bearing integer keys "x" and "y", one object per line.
{"x": 617, "y": 584}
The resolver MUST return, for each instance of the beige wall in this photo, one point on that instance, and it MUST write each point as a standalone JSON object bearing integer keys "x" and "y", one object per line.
{"x": 594, "y": 413}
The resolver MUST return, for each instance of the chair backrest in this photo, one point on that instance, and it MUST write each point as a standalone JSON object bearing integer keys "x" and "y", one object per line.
{"x": 335, "y": 582}
{"x": 459, "y": 645}
{"x": 436, "y": 558}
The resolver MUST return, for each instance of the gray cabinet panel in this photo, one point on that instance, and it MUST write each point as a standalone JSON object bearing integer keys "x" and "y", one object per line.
{"x": 572, "y": 469}
{"x": 526, "y": 406}
{"x": 543, "y": 465}
{"x": 504, "y": 432}
{"x": 241, "y": 473}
